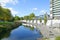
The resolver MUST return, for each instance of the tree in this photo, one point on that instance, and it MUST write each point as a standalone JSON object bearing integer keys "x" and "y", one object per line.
{"x": 8, "y": 16}
{"x": 21, "y": 18}
{"x": 16, "y": 18}
{"x": 5, "y": 14}
{"x": 26, "y": 17}
{"x": 31, "y": 16}
{"x": 45, "y": 18}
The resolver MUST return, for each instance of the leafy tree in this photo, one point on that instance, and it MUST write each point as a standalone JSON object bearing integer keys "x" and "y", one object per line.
{"x": 21, "y": 18}
{"x": 16, "y": 18}
{"x": 31, "y": 16}
{"x": 5, "y": 14}
{"x": 26, "y": 17}
{"x": 45, "y": 18}
{"x": 8, "y": 15}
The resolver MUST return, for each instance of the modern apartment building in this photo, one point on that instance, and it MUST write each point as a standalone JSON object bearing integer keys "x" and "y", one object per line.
{"x": 55, "y": 8}
{"x": 54, "y": 14}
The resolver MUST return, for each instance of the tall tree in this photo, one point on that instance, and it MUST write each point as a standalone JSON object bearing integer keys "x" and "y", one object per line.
{"x": 45, "y": 18}
{"x": 31, "y": 16}
{"x": 16, "y": 18}
{"x": 26, "y": 17}
{"x": 21, "y": 18}
{"x": 5, "y": 14}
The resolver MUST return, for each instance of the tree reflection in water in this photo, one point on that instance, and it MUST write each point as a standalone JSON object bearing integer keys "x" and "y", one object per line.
{"x": 4, "y": 33}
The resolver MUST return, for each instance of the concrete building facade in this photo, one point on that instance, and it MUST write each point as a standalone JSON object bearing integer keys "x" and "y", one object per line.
{"x": 55, "y": 8}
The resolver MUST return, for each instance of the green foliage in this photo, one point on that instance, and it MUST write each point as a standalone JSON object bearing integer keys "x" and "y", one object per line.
{"x": 21, "y": 18}
{"x": 16, "y": 18}
{"x": 31, "y": 16}
{"x": 4, "y": 33}
{"x": 45, "y": 18}
{"x": 26, "y": 17}
{"x": 1, "y": 23}
{"x": 57, "y": 38}
{"x": 9, "y": 25}
{"x": 31, "y": 28}
{"x": 5, "y": 14}
{"x": 6, "y": 27}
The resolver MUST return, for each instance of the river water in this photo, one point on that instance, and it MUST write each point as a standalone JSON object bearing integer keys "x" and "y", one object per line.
{"x": 23, "y": 33}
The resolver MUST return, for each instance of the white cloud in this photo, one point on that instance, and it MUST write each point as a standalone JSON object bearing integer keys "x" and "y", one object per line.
{"x": 4, "y": 2}
{"x": 43, "y": 11}
{"x": 13, "y": 2}
{"x": 34, "y": 9}
{"x": 14, "y": 12}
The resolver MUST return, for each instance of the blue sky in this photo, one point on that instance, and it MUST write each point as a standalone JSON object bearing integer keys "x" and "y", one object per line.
{"x": 25, "y": 7}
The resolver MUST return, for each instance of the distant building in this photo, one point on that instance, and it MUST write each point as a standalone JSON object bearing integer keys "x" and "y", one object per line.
{"x": 55, "y": 9}
{"x": 42, "y": 17}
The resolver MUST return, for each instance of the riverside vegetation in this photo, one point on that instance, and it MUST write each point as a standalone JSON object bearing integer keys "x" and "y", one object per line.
{"x": 7, "y": 22}
{"x": 6, "y": 27}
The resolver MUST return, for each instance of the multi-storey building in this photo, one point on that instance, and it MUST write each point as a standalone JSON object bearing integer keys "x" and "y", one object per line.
{"x": 55, "y": 8}
{"x": 55, "y": 13}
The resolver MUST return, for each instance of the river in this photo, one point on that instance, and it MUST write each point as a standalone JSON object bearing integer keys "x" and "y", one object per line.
{"x": 22, "y": 33}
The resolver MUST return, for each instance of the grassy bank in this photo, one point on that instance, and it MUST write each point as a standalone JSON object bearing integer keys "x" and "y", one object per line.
{"x": 6, "y": 27}
{"x": 9, "y": 25}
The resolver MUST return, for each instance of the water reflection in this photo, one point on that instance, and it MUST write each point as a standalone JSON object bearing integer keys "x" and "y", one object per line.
{"x": 21, "y": 33}
{"x": 4, "y": 33}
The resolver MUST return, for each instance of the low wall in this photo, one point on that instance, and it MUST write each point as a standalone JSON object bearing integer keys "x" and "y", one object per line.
{"x": 49, "y": 22}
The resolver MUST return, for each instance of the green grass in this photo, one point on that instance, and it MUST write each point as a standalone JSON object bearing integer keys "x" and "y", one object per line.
{"x": 6, "y": 23}
{"x": 9, "y": 25}
{"x": 6, "y": 27}
{"x": 57, "y": 38}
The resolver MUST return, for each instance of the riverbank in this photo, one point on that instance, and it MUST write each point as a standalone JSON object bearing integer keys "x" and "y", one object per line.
{"x": 9, "y": 25}
{"x": 6, "y": 27}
